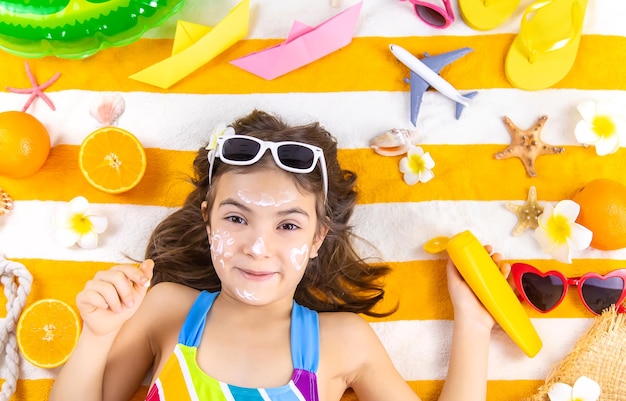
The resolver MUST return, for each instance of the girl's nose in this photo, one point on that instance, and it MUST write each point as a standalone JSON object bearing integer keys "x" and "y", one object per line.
{"x": 258, "y": 249}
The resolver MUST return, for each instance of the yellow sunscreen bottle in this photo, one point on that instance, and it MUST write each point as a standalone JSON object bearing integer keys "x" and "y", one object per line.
{"x": 484, "y": 278}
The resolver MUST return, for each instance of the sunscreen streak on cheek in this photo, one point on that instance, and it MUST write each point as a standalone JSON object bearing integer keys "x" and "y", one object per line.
{"x": 299, "y": 257}
{"x": 217, "y": 245}
{"x": 259, "y": 247}
{"x": 247, "y": 295}
{"x": 219, "y": 242}
{"x": 263, "y": 199}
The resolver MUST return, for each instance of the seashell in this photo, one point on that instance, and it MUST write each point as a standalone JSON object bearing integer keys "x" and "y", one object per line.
{"x": 394, "y": 142}
{"x": 6, "y": 203}
{"x": 108, "y": 109}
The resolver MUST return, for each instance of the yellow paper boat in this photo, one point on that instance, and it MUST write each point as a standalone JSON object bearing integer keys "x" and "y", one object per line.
{"x": 195, "y": 45}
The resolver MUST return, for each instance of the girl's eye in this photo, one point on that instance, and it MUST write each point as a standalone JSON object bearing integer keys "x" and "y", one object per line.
{"x": 288, "y": 226}
{"x": 236, "y": 219}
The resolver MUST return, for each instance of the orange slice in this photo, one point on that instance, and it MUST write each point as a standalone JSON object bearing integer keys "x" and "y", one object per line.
{"x": 112, "y": 160}
{"x": 47, "y": 332}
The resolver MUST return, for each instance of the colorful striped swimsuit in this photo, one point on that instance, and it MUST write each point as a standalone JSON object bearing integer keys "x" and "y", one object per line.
{"x": 182, "y": 379}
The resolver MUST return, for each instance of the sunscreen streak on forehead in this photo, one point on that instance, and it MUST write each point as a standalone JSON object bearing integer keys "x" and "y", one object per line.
{"x": 259, "y": 247}
{"x": 299, "y": 257}
{"x": 264, "y": 199}
{"x": 245, "y": 294}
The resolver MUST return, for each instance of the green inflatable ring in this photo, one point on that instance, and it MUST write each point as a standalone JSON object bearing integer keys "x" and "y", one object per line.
{"x": 77, "y": 28}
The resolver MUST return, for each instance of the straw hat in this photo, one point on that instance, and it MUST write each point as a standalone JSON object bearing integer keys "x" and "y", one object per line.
{"x": 599, "y": 354}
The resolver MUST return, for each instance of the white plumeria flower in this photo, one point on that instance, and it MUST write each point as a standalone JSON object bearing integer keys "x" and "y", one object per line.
{"x": 585, "y": 389}
{"x": 602, "y": 125}
{"x": 417, "y": 166}
{"x": 558, "y": 233}
{"x": 74, "y": 224}
{"x": 219, "y": 130}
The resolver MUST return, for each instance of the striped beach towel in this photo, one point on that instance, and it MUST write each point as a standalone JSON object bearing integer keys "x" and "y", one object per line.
{"x": 356, "y": 93}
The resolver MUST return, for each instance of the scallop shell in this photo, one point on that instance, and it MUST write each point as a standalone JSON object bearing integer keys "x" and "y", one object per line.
{"x": 394, "y": 142}
{"x": 6, "y": 203}
{"x": 108, "y": 109}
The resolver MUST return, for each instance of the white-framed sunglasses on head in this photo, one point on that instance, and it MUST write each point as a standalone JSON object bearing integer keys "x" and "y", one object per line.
{"x": 243, "y": 150}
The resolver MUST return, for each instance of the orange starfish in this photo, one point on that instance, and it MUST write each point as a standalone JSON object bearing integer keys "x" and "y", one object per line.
{"x": 527, "y": 214}
{"x": 526, "y": 144}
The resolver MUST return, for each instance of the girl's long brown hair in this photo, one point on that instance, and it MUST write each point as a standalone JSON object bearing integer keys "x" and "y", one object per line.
{"x": 336, "y": 280}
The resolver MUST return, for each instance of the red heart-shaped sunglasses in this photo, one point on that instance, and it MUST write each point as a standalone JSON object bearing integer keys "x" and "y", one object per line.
{"x": 545, "y": 291}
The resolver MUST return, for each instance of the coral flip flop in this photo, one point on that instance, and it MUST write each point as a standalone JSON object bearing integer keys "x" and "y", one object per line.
{"x": 545, "y": 49}
{"x": 486, "y": 14}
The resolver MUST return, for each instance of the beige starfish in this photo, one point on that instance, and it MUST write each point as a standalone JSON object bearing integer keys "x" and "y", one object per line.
{"x": 527, "y": 214}
{"x": 526, "y": 144}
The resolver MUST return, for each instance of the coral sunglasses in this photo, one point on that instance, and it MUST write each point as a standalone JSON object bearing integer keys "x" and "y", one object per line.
{"x": 433, "y": 15}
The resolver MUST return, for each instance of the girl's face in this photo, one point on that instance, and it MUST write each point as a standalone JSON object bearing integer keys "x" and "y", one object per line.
{"x": 262, "y": 233}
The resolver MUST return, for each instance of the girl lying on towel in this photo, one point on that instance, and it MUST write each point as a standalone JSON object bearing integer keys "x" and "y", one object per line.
{"x": 256, "y": 289}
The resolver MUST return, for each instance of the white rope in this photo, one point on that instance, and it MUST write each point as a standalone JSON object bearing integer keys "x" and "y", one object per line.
{"x": 17, "y": 281}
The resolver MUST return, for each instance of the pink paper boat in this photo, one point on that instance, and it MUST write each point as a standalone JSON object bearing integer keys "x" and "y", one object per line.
{"x": 303, "y": 45}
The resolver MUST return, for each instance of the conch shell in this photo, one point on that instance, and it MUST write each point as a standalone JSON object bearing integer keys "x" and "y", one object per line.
{"x": 394, "y": 142}
{"x": 6, "y": 203}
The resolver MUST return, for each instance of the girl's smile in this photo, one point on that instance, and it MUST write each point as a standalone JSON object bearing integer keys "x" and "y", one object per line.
{"x": 256, "y": 276}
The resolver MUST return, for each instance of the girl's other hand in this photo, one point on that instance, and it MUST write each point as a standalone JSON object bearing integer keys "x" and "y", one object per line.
{"x": 466, "y": 304}
{"x": 113, "y": 296}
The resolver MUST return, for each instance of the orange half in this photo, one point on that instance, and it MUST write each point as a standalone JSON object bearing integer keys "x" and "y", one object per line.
{"x": 47, "y": 332}
{"x": 112, "y": 160}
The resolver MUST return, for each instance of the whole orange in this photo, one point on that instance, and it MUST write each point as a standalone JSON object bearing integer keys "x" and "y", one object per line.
{"x": 603, "y": 211}
{"x": 24, "y": 144}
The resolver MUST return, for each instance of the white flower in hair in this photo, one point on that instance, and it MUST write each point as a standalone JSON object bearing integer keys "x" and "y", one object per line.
{"x": 75, "y": 225}
{"x": 585, "y": 389}
{"x": 219, "y": 130}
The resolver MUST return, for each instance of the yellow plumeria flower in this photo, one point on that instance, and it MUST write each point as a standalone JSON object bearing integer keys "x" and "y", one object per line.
{"x": 558, "y": 233}
{"x": 417, "y": 166}
{"x": 602, "y": 125}
{"x": 219, "y": 130}
{"x": 584, "y": 389}
{"x": 75, "y": 225}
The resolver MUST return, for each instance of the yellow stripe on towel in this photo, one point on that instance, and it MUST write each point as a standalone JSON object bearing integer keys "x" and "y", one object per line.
{"x": 50, "y": 280}
{"x": 39, "y": 389}
{"x": 59, "y": 279}
{"x": 427, "y": 301}
{"x": 31, "y": 389}
{"x": 166, "y": 180}
{"x": 380, "y": 180}
{"x": 497, "y": 390}
{"x": 365, "y": 65}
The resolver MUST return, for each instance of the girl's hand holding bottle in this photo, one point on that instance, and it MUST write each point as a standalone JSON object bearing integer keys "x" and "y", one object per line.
{"x": 466, "y": 304}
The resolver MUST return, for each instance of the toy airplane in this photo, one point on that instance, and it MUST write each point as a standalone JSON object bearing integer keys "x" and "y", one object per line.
{"x": 303, "y": 45}
{"x": 425, "y": 73}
